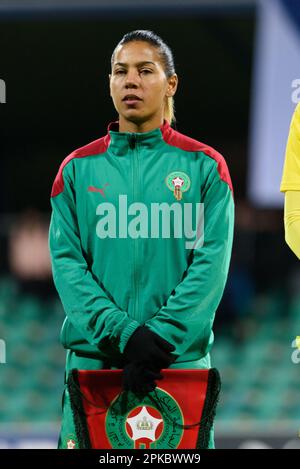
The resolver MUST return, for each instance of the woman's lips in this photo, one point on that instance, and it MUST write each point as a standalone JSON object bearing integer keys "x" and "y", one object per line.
{"x": 132, "y": 101}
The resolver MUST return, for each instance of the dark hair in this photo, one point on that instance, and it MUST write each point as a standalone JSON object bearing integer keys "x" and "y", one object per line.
{"x": 166, "y": 57}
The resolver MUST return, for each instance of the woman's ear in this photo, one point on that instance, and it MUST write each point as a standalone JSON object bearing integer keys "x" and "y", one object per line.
{"x": 172, "y": 86}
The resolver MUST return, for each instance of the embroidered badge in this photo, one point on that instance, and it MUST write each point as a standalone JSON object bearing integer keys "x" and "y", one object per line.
{"x": 71, "y": 442}
{"x": 178, "y": 182}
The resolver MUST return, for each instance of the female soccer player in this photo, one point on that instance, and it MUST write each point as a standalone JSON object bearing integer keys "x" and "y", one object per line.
{"x": 290, "y": 185}
{"x": 139, "y": 285}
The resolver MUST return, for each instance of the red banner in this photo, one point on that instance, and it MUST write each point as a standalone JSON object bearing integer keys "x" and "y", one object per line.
{"x": 179, "y": 413}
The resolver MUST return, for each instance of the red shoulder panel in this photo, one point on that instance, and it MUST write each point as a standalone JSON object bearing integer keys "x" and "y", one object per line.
{"x": 93, "y": 148}
{"x": 172, "y": 137}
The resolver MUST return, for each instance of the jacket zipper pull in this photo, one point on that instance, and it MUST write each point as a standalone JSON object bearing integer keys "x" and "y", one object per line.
{"x": 132, "y": 141}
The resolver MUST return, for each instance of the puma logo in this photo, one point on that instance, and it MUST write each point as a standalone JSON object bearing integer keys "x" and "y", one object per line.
{"x": 95, "y": 189}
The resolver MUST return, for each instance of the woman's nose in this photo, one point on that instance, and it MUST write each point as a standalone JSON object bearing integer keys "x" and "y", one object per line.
{"x": 132, "y": 77}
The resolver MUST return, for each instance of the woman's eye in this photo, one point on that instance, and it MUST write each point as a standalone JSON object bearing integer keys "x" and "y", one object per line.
{"x": 145, "y": 70}
{"x": 120, "y": 71}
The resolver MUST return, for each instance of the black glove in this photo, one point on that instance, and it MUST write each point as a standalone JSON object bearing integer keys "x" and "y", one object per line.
{"x": 148, "y": 348}
{"x": 138, "y": 379}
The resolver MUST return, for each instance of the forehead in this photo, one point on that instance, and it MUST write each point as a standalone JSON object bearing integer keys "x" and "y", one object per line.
{"x": 136, "y": 52}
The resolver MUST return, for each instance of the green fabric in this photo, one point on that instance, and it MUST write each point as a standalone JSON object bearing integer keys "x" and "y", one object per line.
{"x": 109, "y": 286}
{"x": 67, "y": 431}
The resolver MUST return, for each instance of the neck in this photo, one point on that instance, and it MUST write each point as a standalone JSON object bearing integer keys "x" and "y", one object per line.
{"x": 147, "y": 126}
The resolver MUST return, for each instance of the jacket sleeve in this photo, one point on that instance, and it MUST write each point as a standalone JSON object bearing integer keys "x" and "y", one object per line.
{"x": 98, "y": 319}
{"x": 189, "y": 311}
{"x": 292, "y": 220}
{"x": 291, "y": 169}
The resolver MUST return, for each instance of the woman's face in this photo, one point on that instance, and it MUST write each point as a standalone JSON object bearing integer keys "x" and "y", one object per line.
{"x": 138, "y": 71}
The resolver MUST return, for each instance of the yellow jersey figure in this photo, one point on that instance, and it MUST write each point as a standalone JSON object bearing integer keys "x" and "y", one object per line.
{"x": 290, "y": 185}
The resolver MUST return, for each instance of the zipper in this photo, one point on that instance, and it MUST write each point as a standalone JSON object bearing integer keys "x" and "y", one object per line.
{"x": 135, "y": 185}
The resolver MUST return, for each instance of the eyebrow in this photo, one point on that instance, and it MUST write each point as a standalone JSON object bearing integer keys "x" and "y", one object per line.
{"x": 138, "y": 63}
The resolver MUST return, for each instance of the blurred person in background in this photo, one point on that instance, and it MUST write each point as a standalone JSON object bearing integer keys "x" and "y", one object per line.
{"x": 28, "y": 254}
{"x": 290, "y": 185}
{"x": 133, "y": 301}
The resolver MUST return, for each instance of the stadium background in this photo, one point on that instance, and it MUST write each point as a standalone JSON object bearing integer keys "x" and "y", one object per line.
{"x": 55, "y": 61}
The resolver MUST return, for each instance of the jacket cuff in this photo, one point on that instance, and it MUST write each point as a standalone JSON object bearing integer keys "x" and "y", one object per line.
{"x": 127, "y": 333}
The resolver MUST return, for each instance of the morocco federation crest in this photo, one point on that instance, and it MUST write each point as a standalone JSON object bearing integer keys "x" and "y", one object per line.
{"x": 178, "y": 182}
{"x": 144, "y": 425}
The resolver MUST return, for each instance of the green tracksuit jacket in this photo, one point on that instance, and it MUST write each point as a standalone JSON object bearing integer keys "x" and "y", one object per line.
{"x": 120, "y": 251}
